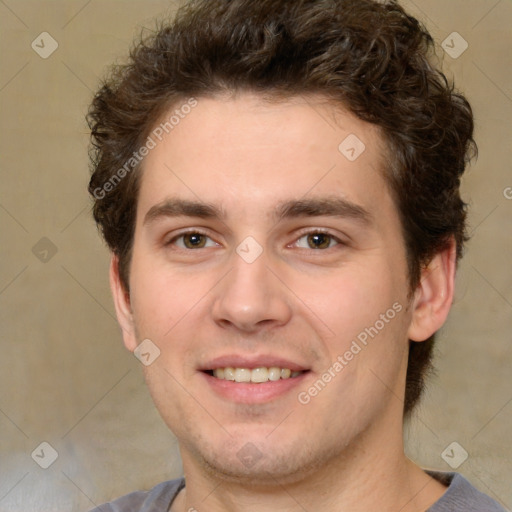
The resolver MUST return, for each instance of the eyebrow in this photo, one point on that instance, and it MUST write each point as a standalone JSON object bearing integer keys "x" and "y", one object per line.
{"x": 315, "y": 207}
{"x": 327, "y": 206}
{"x": 183, "y": 208}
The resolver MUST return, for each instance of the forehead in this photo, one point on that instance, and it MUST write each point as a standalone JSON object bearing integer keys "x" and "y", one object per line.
{"x": 249, "y": 153}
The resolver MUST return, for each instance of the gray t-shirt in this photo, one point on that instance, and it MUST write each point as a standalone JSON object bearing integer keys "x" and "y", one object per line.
{"x": 460, "y": 496}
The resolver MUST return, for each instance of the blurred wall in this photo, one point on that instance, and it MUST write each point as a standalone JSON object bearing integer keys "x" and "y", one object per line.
{"x": 65, "y": 377}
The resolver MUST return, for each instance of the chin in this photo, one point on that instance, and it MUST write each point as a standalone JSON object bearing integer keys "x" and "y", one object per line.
{"x": 265, "y": 467}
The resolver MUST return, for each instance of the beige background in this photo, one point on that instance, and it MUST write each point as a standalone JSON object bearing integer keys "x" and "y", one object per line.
{"x": 65, "y": 377}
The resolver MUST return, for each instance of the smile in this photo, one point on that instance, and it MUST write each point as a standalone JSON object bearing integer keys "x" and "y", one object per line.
{"x": 254, "y": 375}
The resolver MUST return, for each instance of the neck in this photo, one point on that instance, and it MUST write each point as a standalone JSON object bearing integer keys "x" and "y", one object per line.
{"x": 372, "y": 474}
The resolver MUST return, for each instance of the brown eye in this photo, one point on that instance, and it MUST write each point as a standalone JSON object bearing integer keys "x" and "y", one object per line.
{"x": 319, "y": 240}
{"x": 194, "y": 240}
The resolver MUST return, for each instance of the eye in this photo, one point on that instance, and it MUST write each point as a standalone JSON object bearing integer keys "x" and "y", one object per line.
{"x": 192, "y": 240}
{"x": 317, "y": 240}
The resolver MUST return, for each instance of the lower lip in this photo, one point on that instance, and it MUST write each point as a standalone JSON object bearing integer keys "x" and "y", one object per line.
{"x": 250, "y": 393}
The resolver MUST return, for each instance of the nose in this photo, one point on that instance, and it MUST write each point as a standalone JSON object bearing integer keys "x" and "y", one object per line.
{"x": 251, "y": 297}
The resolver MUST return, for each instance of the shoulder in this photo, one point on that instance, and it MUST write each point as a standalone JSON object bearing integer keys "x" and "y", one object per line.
{"x": 157, "y": 499}
{"x": 462, "y": 496}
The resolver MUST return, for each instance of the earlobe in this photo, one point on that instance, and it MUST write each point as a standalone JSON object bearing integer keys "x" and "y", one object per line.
{"x": 122, "y": 304}
{"x": 434, "y": 295}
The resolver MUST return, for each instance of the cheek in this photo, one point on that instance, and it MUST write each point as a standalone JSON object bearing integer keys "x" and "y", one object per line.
{"x": 367, "y": 317}
{"x": 163, "y": 384}
{"x": 160, "y": 299}
{"x": 349, "y": 302}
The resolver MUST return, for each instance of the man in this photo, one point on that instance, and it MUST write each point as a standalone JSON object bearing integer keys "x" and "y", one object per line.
{"x": 278, "y": 183}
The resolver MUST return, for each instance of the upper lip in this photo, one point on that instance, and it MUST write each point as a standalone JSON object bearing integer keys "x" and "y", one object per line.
{"x": 251, "y": 362}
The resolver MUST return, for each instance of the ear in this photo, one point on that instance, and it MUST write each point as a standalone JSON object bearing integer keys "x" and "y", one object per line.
{"x": 122, "y": 304}
{"x": 434, "y": 295}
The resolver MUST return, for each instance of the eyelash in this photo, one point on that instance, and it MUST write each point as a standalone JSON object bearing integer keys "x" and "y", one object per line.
{"x": 301, "y": 235}
{"x": 184, "y": 233}
{"x": 319, "y": 232}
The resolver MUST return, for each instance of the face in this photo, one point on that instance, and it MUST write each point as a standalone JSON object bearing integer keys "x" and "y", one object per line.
{"x": 264, "y": 251}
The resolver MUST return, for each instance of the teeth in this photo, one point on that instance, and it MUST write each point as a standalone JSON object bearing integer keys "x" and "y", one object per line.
{"x": 259, "y": 375}
{"x": 256, "y": 375}
{"x": 285, "y": 373}
{"x": 229, "y": 373}
{"x": 242, "y": 375}
{"x": 274, "y": 373}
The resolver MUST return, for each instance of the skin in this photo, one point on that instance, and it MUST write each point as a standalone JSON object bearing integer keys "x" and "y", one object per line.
{"x": 344, "y": 449}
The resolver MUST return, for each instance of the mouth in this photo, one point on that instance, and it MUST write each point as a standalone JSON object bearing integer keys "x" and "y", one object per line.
{"x": 255, "y": 379}
{"x": 259, "y": 375}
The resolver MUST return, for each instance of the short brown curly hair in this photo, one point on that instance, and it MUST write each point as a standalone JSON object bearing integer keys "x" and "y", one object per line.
{"x": 369, "y": 56}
